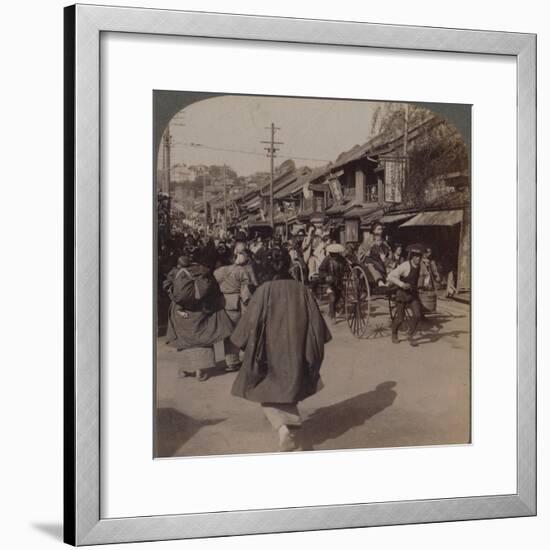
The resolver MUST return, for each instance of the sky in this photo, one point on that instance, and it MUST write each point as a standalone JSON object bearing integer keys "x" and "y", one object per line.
{"x": 314, "y": 131}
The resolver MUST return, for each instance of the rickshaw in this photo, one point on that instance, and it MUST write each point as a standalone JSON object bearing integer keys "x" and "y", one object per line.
{"x": 361, "y": 298}
{"x": 363, "y": 301}
{"x": 356, "y": 296}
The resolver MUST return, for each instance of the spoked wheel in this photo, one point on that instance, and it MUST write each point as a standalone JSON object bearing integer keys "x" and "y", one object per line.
{"x": 357, "y": 301}
{"x": 297, "y": 272}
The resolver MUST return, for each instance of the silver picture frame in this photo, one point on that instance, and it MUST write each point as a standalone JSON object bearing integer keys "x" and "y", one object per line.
{"x": 83, "y": 524}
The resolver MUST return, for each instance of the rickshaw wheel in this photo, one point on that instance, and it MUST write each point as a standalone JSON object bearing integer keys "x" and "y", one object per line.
{"x": 357, "y": 301}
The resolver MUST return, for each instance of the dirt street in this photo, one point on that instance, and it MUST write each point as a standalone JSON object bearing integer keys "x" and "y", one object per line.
{"x": 376, "y": 394}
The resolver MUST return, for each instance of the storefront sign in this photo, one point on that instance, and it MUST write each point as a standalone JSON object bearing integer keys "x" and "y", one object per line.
{"x": 394, "y": 179}
{"x": 352, "y": 231}
{"x": 336, "y": 189}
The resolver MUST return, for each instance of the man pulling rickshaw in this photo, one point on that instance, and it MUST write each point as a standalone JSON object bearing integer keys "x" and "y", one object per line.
{"x": 405, "y": 277}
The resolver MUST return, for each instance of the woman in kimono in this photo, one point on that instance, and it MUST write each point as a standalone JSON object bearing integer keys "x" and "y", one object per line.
{"x": 395, "y": 258}
{"x": 196, "y": 318}
{"x": 373, "y": 253}
{"x": 283, "y": 335}
{"x": 234, "y": 282}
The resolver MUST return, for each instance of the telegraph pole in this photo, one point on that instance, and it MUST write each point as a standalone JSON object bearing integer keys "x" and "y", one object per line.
{"x": 202, "y": 171}
{"x": 166, "y": 158}
{"x": 224, "y": 200}
{"x": 271, "y": 153}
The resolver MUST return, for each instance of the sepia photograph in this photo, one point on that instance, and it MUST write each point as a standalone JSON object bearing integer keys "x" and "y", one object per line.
{"x": 312, "y": 274}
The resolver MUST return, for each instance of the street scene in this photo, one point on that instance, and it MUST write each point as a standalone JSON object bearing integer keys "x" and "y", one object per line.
{"x": 313, "y": 274}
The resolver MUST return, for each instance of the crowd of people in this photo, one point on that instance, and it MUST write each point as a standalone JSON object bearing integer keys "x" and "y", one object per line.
{"x": 239, "y": 291}
{"x": 271, "y": 326}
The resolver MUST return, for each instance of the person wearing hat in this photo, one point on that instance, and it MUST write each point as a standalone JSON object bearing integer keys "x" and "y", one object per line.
{"x": 283, "y": 335}
{"x": 405, "y": 277}
{"x": 332, "y": 271}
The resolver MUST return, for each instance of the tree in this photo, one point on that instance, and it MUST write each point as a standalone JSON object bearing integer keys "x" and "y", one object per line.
{"x": 388, "y": 119}
{"x": 436, "y": 150}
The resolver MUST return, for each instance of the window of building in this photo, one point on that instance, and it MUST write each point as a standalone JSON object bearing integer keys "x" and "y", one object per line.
{"x": 371, "y": 192}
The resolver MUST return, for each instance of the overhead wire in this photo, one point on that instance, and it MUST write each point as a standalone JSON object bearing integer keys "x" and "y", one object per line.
{"x": 243, "y": 152}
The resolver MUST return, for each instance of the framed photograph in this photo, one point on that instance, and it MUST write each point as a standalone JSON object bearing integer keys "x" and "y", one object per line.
{"x": 299, "y": 275}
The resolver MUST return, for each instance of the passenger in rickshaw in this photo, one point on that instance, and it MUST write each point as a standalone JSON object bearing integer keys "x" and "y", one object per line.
{"x": 372, "y": 254}
{"x": 395, "y": 258}
{"x": 332, "y": 271}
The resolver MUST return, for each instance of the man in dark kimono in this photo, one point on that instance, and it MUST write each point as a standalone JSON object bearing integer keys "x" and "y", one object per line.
{"x": 283, "y": 335}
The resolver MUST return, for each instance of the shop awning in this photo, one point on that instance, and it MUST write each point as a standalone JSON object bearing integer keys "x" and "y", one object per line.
{"x": 394, "y": 218}
{"x": 371, "y": 217}
{"x": 359, "y": 211}
{"x": 437, "y": 217}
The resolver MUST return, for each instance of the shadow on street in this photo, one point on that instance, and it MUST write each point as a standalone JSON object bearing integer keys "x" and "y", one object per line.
{"x": 175, "y": 428}
{"x": 335, "y": 420}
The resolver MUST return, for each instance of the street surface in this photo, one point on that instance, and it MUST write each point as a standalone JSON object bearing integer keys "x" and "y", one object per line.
{"x": 376, "y": 394}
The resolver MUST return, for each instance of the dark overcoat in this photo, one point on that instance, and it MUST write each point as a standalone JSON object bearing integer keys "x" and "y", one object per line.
{"x": 196, "y": 317}
{"x": 283, "y": 335}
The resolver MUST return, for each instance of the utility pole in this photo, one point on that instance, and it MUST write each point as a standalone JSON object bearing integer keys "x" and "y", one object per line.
{"x": 202, "y": 172}
{"x": 271, "y": 153}
{"x": 167, "y": 145}
{"x": 224, "y": 200}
